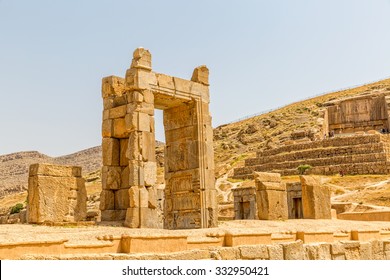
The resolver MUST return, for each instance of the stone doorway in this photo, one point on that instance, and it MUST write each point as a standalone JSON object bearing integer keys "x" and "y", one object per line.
{"x": 297, "y": 208}
{"x": 129, "y": 160}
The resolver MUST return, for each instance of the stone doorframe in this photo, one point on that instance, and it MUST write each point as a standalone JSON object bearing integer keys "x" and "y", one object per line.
{"x": 129, "y": 159}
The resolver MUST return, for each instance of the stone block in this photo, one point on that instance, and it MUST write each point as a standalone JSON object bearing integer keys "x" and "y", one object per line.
{"x": 105, "y": 115}
{"x": 201, "y": 75}
{"x": 134, "y": 197}
{"x": 143, "y": 198}
{"x": 117, "y": 112}
{"x": 148, "y": 96}
{"x": 140, "y": 79}
{"x": 123, "y": 160}
{"x": 134, "y": 146}
{"x": 377, "y": 249}
{"x": 113, "y": 215}
{"x": 143, "y": 122}
{"x": 317, "y": 251}
{"x": 142, "y": 59}
{"x": 267, "y": 177}
{"x": 152, "y": 198}
{"x": 225, "y": 253}
{"x": 352, "y": 250}
{"x": 136, "y": 173}
{"x": 275, "y": 252}
{"x": 125, "y": 178}
{"x": 337, "y": 248}
{"x": 131, "y": 121}
{"x": 182, "y": 85}
{"x": 107, "y": 200}
{"x": 366, "y": 251}
{"x": 50, "y": 197}
{"x": 134, "y": 96}
{"x": 110, "y": 151}
{"x": 148, "y": 147}
{"x": 165, "y": 81}
{"x": 119, "y": 128}
{"x": 132, "y": 218}
{"x": 150, "y": 173}
{"x": 293, "y": 251}
{"x": 107, "y": 128}
{"x": 112, "y": 86}
{"x": 315, "y": 199}
{"x": 258, "y": 252}
{"x": 54, "y": 170}
{"x": 148, "y": 218}
{"x": 111, "y": 177}
{"x": 122, "y": 199}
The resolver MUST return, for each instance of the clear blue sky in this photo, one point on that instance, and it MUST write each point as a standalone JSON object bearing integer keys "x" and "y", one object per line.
{"x": 261, "y": 55}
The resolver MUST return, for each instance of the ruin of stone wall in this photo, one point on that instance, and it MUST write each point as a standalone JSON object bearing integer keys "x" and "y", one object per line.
{"x": 358, "y": 154}
{"x": 360, "y": 113}
{"x": 56, "y": 194}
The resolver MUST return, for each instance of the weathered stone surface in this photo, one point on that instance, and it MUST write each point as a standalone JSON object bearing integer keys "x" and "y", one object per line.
{"x": 119, "y": 128}
{"x": 132, "y": 217}
{"x": 275, "y": 252}
{"x": 293, "y": 250}
{"x": 117, "y": 112}
{"x": 271, "y": 196}
{"x": 258, "y": 252}
{"x": 245, "y": 206}
{"x": 315, "y": 199}
{"x": 107, "y": 200}
{"x": 317, "y": 251}
{"x": 201, "y": 75}
{"x": 110, "y": 151}
{"x": 123, "y": 160}
{"x": 52, "y": 198}
{"x": 352, "y": 250}
{"x": 356, "y": 154}
{"x": 150, "y": 173}
{"x": 112, "y": 86}
{"x": 54, "y": 170}
{"x": 129, "y": 144}
{"x": 122, "y": 199}
{"x": 111, "y": 177}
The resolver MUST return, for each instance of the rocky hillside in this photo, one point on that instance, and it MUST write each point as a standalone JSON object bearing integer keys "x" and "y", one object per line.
{"x": 14, "y": 167}
{"x": 236, "y": 141}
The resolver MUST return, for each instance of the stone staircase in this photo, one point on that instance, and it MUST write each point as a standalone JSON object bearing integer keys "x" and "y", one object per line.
{"x": 355, "y": 154}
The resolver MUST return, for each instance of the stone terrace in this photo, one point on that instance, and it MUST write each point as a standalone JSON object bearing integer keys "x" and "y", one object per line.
{"x": 356, "y": 154}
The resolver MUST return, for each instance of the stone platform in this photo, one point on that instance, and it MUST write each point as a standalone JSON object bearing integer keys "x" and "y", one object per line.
{"x": 250, "y": 239}
{"x": 355, "y": 154}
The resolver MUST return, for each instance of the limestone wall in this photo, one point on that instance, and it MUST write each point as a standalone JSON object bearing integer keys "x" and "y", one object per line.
{"x": 358, "y": 114}
{"x": 356, "y": 154}
{"x": 56, "y": 194}
{"x": 297, "y": 250}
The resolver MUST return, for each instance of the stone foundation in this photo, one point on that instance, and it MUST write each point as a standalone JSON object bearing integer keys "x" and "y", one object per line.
{"x": 355, "y": 154}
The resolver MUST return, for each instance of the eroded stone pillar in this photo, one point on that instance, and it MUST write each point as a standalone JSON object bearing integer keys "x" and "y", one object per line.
{"x": 315, "y": 198}
{"x": 56, "y": 194}
{"x": 271, "y": 196}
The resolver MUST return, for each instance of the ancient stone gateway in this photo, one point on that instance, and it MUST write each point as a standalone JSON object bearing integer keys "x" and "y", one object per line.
{"x": 129, "y": 160}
